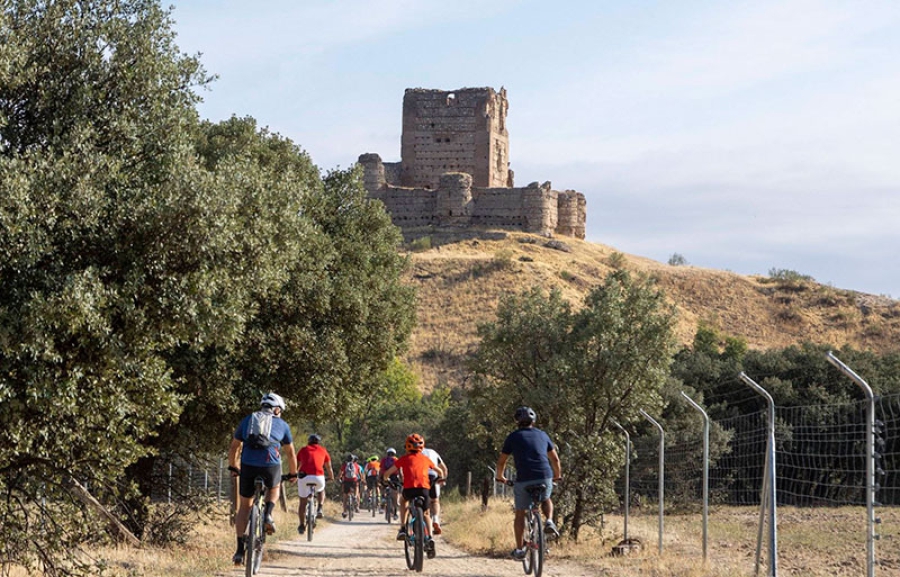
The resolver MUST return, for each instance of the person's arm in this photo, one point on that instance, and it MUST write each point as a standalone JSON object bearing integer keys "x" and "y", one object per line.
{"x": 292, "y": 460}
{"x": 554, "y": 464}
{"x": 442, "y": 466}
{"x": 328, "y": 470}
{"x": 501, "y": 466}
{"x": 389, "y": 472}
{"x": 233, "y": 454}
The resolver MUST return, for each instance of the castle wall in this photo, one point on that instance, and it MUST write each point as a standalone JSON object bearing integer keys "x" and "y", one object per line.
{"x": 454, "y": 131}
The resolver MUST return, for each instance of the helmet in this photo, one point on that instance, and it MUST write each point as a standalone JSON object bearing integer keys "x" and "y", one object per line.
{"x": 414, "y": 443}
{"x": 348, "y": 459}
{"x": 373, "y": 458}
{"x": 355, "y": 458}
{"x": 314, "y": 439}
{"x": 272, "y": 400}
{"x": 525, "y": 416}
{"x": 392, "y": 451}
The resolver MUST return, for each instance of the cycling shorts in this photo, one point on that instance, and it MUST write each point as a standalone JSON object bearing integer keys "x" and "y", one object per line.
{"x": 435, "y": 491}
{"x": 371, "y": 482}
{"x": 271, "y": 475}
{"x": 410, "y": 494}
{"x": 350, "y": 486}
{"x": 523, "y": 498}
{"x": 304, "y": 491}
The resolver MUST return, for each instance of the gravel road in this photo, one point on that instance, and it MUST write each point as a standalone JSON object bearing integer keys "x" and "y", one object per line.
{"x": 368, "y": 548}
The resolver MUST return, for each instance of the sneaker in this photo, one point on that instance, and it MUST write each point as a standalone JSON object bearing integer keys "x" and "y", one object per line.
{"x": 401, "y": 534}
{"x": 550, "y": 529}
{"x": 238, "y": 558}
{"x": 518, "y": 554}
{"x": 319, "y": 514}
{"x": 429, "y": 547}
{"x": 344, "y": 514}
{"x": 436, "y": 528}
{"x": 301, "y": 529}
{"x": 269, "y": 525}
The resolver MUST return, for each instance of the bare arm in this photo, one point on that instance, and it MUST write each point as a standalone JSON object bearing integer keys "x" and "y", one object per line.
{"x": 233, "y": 452}
{"x": 554, "y": 464}
{"x": 501, "y": 466}
{"x": 291, "y": 458}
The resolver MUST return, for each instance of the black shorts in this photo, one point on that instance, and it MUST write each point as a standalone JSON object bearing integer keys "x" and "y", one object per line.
{"x": 371, "y": 481}
{"x": 349, "y": 486}
{"x": 410, "y": 494}
{"x": 270, "y": 474}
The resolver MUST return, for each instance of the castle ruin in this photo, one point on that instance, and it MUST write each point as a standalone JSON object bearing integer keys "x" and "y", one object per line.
{"x": 454, "y": 169}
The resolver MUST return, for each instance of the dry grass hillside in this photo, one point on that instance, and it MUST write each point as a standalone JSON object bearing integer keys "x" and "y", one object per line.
{"x": 461, "y": 277}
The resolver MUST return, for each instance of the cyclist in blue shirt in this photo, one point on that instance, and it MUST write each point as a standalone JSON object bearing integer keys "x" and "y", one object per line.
{"x": 537, "y": 463}
{"x": 259, "y": 439}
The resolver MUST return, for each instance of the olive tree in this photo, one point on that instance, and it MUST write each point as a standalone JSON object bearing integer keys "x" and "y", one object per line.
{"x": 579, "y": 369}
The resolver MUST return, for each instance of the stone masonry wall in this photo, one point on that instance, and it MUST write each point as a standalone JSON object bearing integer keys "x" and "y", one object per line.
{"x": 454, "y": 169}
{"x": 454, "y": 131}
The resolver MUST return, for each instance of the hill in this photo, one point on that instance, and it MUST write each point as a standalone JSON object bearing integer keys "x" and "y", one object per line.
{"x": 460, "y": 277}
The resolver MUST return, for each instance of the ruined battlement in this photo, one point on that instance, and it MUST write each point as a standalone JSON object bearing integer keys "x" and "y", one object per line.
{"x": 454, "y": 169}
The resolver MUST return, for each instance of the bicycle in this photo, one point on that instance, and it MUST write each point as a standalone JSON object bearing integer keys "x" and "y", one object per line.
{"x": 350, "y": 505}
{"x": 311, "y": 508}
{"x": 255, "y": 537}
{"x": 414, "y": 543}
{"x": 389, "y": 506}
{"x": 535, "y": 542}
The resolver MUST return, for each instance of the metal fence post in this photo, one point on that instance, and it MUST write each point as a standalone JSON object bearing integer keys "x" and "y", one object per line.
{"x": 870, "y": 460}
{"x": 705, "y": 471}
{"x": 627, "y": 476}
{"x": 769, "y": 488}
{"x": 662, "y": 477}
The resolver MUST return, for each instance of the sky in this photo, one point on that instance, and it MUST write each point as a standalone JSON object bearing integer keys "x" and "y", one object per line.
{"x": 742, "y": 136}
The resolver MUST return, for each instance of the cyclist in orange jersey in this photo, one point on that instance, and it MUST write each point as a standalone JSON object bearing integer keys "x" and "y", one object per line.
{"x": 414, "y": 468}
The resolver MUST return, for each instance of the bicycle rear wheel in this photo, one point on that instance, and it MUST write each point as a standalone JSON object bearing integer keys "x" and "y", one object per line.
{"x": 389, "y": 507}
{"x": 409, "y": 544}
{"x": 419, "y": 529}
{"x": 540, "y": 548}
{"x": 351, "y": 507}
{"x": 310, "y": 516}
{"x": 254, "y": 544}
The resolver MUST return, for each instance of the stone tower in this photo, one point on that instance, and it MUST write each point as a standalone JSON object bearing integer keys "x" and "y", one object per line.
{"x": 454, "y": 131}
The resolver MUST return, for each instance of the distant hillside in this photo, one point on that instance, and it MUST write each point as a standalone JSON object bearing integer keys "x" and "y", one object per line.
{"x": 461, "y": 276}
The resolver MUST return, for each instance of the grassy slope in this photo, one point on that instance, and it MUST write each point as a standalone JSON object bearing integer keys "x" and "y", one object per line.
{"x": 460, "y": 282}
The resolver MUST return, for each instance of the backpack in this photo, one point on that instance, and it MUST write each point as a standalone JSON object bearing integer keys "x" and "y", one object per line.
{"x": 350, "y": 472}
{"x": 259, "y": 429}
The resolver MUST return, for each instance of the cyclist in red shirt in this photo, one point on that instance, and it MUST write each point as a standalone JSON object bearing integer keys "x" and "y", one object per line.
{"x": 314, "y": 462}
{"x": 414, "y": 467}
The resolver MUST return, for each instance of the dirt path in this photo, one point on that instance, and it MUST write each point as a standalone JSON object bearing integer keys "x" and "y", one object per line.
{"x": 368, "y": 548}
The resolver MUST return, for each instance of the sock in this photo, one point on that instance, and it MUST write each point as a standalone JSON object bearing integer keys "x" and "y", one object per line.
{"x": 240, "y": 544}
{"x": 270, "y": 506}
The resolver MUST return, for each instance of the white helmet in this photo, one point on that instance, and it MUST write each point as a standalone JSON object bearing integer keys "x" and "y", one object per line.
{"x": 272, "y": 400}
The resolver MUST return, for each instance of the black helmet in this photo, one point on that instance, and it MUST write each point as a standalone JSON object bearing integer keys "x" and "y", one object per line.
{"x": 314, "y": 439}
{"x": 525, "y": 416}
{"x": 349, "y": 459}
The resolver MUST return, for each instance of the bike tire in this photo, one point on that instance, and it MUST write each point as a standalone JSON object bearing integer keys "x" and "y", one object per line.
{"x": 253, "y": 544}
{"x": 389, "y": 508}
{"x": 540, "y": 548}
{"x": 374, "y": 503}
{"x": 351, "y": 507}
{"x": 409, "y": 544}
{"x": 311, "y": 505}
{"x": 419, "y": 529}
{"x": 528, "y": 561}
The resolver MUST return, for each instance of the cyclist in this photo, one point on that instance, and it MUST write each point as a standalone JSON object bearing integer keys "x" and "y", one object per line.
{"x": 537, "y": 463}
{"x": 314, "y": 462}
{"x": 350, "y": 475}
{"x": 258, "y": 439}
{"x": 413, "y": 468}
{"x": 371, "y": 471}
{"x": 390, "y": 457}
{"x": 435, "y": 492}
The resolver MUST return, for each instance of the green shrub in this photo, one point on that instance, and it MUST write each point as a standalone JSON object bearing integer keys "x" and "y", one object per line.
{"x": 420, "y": 244}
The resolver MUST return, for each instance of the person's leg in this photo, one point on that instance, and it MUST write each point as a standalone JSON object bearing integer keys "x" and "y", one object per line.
{"x": 519, "y": 529}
